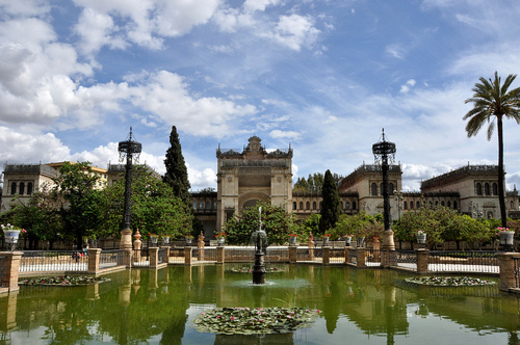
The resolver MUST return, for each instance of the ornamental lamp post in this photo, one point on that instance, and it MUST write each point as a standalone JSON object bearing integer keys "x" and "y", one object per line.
{"x": 131, "y": 150}
{"x": 382, "y": 151}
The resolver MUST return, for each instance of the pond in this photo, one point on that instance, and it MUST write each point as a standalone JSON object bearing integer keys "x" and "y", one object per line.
{"x": 356, "y": 307}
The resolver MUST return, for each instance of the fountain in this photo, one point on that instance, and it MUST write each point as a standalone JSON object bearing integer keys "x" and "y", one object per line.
{"x": 259, "y": 238}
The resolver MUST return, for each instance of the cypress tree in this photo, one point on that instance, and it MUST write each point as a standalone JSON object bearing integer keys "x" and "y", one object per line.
{"x": 331, "y": 205}
{"x": 176, "y": 173}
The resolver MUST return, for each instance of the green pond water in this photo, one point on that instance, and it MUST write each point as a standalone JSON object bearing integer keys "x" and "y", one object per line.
{"x": 357, "y": 307}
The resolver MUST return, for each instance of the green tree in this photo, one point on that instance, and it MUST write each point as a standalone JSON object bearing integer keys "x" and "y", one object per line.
{"x": 155, "y": 208}
{"x": 331, "y": 204}
{"x": 176, "y": 173}
{"x": 493, "y": 100}
{"x": 278, "y": 224}
{"x": 81, "y": 209}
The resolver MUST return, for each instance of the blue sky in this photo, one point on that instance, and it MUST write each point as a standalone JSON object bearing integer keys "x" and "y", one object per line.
{"x": 322, "y": 76}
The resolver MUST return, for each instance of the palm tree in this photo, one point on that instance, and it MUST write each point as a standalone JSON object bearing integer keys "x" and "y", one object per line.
{"x": 493, "y": 101}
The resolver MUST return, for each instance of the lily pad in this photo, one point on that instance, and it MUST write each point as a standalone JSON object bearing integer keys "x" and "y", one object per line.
{"x": 449, "y": 281}
{"x": 64, "y": 281}
{"x": 254, "y": 321}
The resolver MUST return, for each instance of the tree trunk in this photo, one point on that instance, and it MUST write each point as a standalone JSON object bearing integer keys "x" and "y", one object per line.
{"x": 501, "y": 194}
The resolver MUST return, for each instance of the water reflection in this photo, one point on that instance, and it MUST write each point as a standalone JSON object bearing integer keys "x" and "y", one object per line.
{"x": 156, "y": 307}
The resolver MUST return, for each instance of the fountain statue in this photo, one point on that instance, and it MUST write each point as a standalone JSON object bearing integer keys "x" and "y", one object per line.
{"x": 259, "y": 238}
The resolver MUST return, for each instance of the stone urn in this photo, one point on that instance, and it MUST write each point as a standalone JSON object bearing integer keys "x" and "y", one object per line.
{"x": 221, "y": 240}
{"x": 166, "y": 240}
{"x": 360, "y": 242}
{"x": 153, "y": 239}
{"x": 292, "y": 240}
{"x": 506, "y": 239}
{"x": 326, "y": 241}
{"x": 11, "y": 237}
{"x": 348, "y": 241}
{"x": 421, "y": 238}
{"x": 188, "y": 240}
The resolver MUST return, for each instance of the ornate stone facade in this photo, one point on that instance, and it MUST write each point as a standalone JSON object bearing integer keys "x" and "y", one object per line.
{"x": 244, "y": 178}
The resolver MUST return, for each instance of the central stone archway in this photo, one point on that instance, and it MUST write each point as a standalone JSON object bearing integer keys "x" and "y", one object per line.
{"x": 251, "y": 199}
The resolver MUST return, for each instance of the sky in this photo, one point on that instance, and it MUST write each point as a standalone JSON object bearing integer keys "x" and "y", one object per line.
{"x": 322, "y": 76}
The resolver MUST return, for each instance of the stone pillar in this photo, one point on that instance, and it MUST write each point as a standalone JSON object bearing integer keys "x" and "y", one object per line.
{"x": 126, "y": 239}
{"x": 187, "y": 255}
{"x": 154, "y": 256}
{"x": 326, "y": 255}
{"x": 311, "y": 246}
{"x": 360, "y": 253}
{"x": 506, "y": 264}
{"x": 348, "y": 250}
{"x": 376, "y": 249}
{"x": 292, "y": 254}
{"x": 166, "y": 253}
{"x": 93, "y": 260}
{"x": 12, "y": 267}
{"x": 387, "y": 258}
{"x": 137, "y": 246}
{"x": 423, "y": 256}
{"x": 221, "y": 255}
{"x": 200, "y": 245}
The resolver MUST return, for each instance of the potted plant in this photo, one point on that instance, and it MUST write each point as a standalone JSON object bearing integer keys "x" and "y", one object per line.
{"x": 188, "y": 238}
{"x": 326, "y": 238}
{"x": 506, "y": 237}
{"x": 360, "y": 240}
{"x": 348, "y": 240}
{"x": 153, "y": 238}
{"x": 11, "y": 235}
{"x": 292, "y": 239}
{"x": 421, "y": 237}
{"x": 221, "y": 238}
{"x": 166, "y": 239}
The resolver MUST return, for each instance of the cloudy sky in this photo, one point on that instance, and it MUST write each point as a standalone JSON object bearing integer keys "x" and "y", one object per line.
{"x": 323, "y": 76}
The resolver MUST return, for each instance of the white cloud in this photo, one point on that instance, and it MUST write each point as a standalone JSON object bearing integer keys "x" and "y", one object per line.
{"x": 258, "y": 5}
{"x": 406, "y": 87}
{"x": 25, "y": 7}
{"x": 396, "y": 51}
{"x": 201, "y": 179}
{"x": 294, "y": 31}
{"x": 278, "y": 134}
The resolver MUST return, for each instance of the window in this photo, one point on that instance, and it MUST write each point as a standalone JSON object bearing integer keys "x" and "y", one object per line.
{"x": 320, "y": 205}
{"x": 411, "y": 205}
{"x": 208, "y": 205}
{"x": 479, "y": 189}
{"x": 391, "y": 188}
{"x": 490, "y": 215}
{"x": 294, "y": 205}
{"x": 353, "y": 205}
{"x": 22, "y": 188}
{"x": 301, "y": 205}
{"x": 495, "y": 189}
{"x": 201, "y": 205}
{"x": 314, "y": 205}
{"x": 307, "y": 205}
{"x": 374, "y": 189}
{"x": 13, "y": 188}
{"x": 436, "y": 203}
{"x": 29, "y": 188}
{"x": 347, "y": 205}
{"x": 405, "y": 205}
{"x": 418, "y": 205}
{"x": 214, "y": 205}
{"x": 455, "y": 205}
{"x": 486, "y": 189}
{"x": 512, "y": 205}
{"x": 442, "y": 203}
{"x": 449, "y": 204}
{"x": 194, "y": 205}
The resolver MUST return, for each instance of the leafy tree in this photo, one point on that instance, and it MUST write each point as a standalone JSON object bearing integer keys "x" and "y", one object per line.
{"x": 155, "y": 208}
{"x": 360, "y": 224}
{"x": 81, "y": 210}
{"x": 278, "y": 224}
{"x": 176, "y": 173}
{"x": 491, "y": 101}
{"x": 331, "y": 204}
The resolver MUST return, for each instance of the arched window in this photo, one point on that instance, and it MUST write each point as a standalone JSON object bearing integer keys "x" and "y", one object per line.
{"x": 486, "y": 189}
{"x": 411, "y": 205}
{"x": 391, "y": 188}
{"x": 294, "y": 205}
{"x": 417, "y": 205}
{"x": 495, "y": 189}
{"x": 29, "y": 188}
{"x": 455, "y": 205}
{"x": 449, "y": 204}
{"x": 320, "y": 205}
{"x": 314, "y": 205}
{"x": 308, "y": 205}
{"x": 479, "y": 189}
{"x": 201, "y": 205}
{"x": 442, "y": 203}
{"x": 347, "y": 205}
{"x": 214, "y": 205}
{"x": 13, "y": 188}
{"x": 353, "y": 205}
{"x": 405, "y": 205}
{"x": 301, "y": 205}
{"x": 194, "y": 205}
{"x": 436, "y": 203}
{"x": 374, "y": 189}
{"x": 512, "y": 205}
{"x": 208, "y": 205}
{"x": 490, "y": 215}
{"x": 22, "y": 188}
